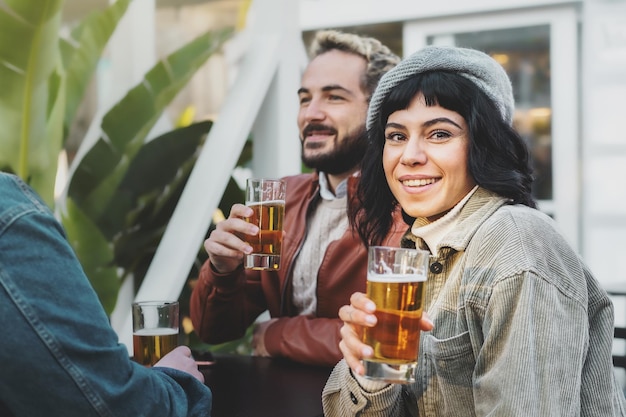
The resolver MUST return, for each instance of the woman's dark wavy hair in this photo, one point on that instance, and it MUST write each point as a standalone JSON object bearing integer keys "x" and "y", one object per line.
{"x": 499, "y": 160}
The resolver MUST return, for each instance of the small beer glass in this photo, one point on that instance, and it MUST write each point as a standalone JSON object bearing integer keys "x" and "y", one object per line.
{"x": 266, "y": 197}
{"x": 396, "y": 278}
{"x": 155, "y": 330}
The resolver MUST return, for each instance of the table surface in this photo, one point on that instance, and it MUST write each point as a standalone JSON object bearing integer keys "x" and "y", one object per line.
{"x": 247, "y": 386}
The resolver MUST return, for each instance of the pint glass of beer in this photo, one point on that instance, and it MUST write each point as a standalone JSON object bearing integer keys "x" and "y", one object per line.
{"x": 395, "y": 283}
{"x": 155, "y": 330}
{"x": 267, "y": 198}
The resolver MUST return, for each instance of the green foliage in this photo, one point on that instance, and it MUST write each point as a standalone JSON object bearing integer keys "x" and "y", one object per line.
{"x": 81, "y": 53}
{"x": 43, "y": 78}
{"x": 124, "y": 190}
{"x": 126, "y": 126}
{"x": 127, "y": 185}
{"x": 134, "y": 219}
{"x": 31, "y": 91}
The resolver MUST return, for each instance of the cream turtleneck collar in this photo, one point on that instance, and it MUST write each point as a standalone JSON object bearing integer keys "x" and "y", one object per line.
{"x": 432, "y": 233}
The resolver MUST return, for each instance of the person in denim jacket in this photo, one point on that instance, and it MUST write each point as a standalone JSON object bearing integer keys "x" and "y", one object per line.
{"x": 58, "y": 355}
{"x": 517, "y": 325}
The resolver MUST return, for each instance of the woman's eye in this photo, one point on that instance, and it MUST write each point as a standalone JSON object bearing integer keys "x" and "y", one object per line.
{"x": 394, "y": 137}
{"x": 440, "y": 134}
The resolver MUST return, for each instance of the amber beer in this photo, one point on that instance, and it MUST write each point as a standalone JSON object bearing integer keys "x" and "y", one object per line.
{"x": 396, "y": 279}
{"x": 155, "y": 330}
{"x": 150, "y": 345}
{"x": 269, "y": 217}
{"x": 266, "y": 198}
{"x": 399, "y": 305}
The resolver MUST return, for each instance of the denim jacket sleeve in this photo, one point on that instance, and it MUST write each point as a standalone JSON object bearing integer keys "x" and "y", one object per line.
{"x": 59, "y": 355}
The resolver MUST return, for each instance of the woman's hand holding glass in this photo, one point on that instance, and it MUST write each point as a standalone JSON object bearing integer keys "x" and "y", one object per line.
{"x": 359, "y": 314}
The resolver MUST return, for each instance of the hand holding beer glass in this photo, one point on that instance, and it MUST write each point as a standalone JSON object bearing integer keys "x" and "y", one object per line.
{"x": 155, "y": 330}
{"x": 396, "y": 279}
{"x": 267, "y": 199}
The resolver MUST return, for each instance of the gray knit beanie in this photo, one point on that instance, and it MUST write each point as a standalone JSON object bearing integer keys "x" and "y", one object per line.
{"x": 474, "y": 65}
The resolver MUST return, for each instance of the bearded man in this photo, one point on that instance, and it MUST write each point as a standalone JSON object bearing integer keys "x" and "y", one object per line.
{"x": 323, "y": 261}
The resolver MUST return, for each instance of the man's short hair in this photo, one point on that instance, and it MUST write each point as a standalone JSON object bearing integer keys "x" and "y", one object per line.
{"x": 379, "y": 57}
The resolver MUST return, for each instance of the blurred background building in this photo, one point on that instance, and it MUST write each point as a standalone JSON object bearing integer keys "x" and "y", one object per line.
{"x": 566, "y": 59}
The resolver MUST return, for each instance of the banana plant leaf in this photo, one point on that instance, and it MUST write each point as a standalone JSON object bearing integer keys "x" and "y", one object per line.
{"x": 144, "y": 202}
{"x": 82, "y": 51}
{"x": 125, "y": 241}
{"x": 96, "y": 255}
{"x": 40, "y": 88}
{"x": 126, "y": 126}
{"x": 126, "y": 186}
{"x": 146, "y": 198}
{"x": 29, "y": 86}
{"x": 127, "y": 236}
{"x": 113, "y": 219}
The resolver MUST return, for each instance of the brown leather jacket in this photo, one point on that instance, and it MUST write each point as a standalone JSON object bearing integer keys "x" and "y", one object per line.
{"x": 223, "y": 306}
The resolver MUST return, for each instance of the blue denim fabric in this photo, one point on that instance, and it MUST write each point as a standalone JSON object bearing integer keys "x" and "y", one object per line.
{"x": 58, "y": 354}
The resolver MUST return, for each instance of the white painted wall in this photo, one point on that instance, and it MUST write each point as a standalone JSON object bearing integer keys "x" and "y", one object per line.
{"x": 604, "y": 149}
{"x": 604, "y": 139}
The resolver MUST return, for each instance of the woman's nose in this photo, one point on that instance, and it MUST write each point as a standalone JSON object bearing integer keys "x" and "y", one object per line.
{"x": 414, "y": 152}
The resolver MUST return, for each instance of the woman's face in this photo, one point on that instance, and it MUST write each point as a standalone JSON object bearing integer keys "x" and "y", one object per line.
{"x": 425, "y": 159}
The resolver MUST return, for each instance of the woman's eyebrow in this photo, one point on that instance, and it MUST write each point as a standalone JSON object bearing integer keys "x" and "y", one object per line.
{"x": 441, "y": 120}
{"x": 425, "y": 124}
{"x": 394, "y": 126}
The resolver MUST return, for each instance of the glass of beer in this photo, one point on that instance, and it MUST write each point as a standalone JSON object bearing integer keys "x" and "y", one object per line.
{"x": 396, "y": 279}
{"x": 155, "y": 330}
{"x": 266, "y": 197}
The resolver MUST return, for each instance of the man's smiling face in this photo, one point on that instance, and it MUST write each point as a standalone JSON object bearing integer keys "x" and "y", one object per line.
{"x": 333, "y": 107}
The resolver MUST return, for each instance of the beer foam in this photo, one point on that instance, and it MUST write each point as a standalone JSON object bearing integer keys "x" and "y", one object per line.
{"x": 155, "y": 332}
{"x": 373, "y": 277}
{"x": 266, "y": 203}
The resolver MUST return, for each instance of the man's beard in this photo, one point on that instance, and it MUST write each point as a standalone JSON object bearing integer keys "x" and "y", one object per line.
{"x": 345, "y": 155}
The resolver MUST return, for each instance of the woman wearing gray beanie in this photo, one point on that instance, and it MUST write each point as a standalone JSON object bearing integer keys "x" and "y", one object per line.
{"x": 517, "y": 324}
